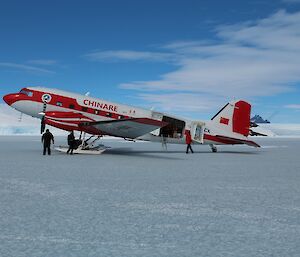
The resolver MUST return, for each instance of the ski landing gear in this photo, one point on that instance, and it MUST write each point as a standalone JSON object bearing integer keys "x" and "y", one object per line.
{"x": 213, "y": 148}
{"x": 85, "y": 146}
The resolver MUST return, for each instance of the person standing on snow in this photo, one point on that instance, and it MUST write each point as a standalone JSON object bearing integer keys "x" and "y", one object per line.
{"x": 71, "y": 142}
{"x": 46, "y": 140}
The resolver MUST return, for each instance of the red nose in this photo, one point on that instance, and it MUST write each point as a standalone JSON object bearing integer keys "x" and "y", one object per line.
{"x": 11, "y": 98}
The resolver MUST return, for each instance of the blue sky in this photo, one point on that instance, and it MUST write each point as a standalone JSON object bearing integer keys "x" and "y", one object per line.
{"x": 183, "y": 57}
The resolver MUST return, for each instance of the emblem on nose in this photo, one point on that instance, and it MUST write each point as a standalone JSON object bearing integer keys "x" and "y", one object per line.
{"x": 46, "y": 98}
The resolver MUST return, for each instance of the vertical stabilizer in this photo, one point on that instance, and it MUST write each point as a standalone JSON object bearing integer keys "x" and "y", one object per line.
{"x": 234, "y": 117}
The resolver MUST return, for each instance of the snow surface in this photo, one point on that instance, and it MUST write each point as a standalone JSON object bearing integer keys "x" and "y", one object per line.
{"x": 138, "y": 200}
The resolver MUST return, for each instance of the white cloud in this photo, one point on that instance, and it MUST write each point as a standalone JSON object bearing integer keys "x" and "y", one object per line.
{"x": 291, "y": 1}
{"x": 183, "y": 103}
{"x": 27, "y": 68}
{"x": 256, "y": 58}
{"x": 129, "y": 56}
{"x": 293, "y": 106}
{"x": 45, "y": 62}
{"x": 10, "y": 124}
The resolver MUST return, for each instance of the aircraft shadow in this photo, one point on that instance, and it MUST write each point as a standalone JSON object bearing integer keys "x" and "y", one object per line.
{"x": 146, "y": 154}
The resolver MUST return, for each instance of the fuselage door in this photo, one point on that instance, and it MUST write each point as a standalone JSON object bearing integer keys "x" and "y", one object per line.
{"x": 197, "y": 131}
{"x": 156, "y": 116}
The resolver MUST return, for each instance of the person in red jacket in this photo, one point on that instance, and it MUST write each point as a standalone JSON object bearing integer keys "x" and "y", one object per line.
{"x": 188, "y": 141}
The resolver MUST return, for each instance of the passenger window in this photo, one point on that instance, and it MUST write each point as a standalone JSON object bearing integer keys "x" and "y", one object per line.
{"x": 84, "y": 109}
{"x": 108, "y": 114}
{"x": 120, "y": 117}
{"x": 96, "y": 112}
{"x": 72, "y": 106}
{"x": 59, "y": 104}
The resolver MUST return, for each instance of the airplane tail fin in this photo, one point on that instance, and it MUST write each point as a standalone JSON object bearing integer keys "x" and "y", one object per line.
{"x": 234, "y": 117}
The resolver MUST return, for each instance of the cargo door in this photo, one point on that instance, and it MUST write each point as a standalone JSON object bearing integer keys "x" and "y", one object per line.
{"x": 197, "y": 131}
{"x": 156, "y": 116}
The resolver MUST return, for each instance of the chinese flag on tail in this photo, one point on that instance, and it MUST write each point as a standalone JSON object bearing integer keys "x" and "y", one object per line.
{"x": 224, "y": 120}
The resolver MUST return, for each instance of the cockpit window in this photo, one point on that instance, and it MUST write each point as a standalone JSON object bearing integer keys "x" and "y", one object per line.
{"x": 26, "y": 92}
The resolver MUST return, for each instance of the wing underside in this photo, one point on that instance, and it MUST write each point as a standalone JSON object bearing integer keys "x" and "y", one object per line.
{"x": 127, "y": 128}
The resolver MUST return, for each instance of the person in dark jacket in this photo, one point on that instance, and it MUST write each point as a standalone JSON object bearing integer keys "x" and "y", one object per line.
{"x": 71, "y": 142}
{"x": 46, "y": 140}
{"x": 188, "y": 141}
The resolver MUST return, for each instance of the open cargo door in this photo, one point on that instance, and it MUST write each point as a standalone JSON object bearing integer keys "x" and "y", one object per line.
{"x": 174, "y": 129}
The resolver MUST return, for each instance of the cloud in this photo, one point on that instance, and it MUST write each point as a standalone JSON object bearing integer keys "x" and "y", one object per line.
{"x": 26, "y": 68}
{"x": 291, "y": 1}
{"x": 127, "y": 55}
{"x": 10, "y": 123}
{"x": 254, "y": 58}
{"x": 183, "y": 103}
{"x": 44, "y": 62}
{"x": 293, "y": 106}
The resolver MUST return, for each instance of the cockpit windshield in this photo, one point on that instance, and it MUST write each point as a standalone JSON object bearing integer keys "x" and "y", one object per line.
{"x": 26, "y": 92}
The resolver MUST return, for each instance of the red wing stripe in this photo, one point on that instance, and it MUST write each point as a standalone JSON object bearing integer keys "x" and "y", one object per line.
{"x": 65, "y": 115}
{"x": 60, "y": 125}
{"x": 69, "y": 119}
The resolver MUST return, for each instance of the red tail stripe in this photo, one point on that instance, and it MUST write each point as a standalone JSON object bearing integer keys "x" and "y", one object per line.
{"x": 241, "y": 118}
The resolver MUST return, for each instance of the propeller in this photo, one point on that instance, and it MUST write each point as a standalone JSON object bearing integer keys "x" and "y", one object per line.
{"x": 43, "y": 124}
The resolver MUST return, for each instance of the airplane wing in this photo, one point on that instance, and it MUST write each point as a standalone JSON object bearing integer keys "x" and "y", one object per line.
{"x": 239, "y": 141}
{"x": 126, "y": 128}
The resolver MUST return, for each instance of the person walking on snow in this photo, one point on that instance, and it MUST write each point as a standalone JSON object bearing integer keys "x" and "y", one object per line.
{"x": 188, "y": 141}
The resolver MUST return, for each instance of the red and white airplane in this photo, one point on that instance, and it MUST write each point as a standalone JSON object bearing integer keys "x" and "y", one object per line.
{"x": 70, "y": 111}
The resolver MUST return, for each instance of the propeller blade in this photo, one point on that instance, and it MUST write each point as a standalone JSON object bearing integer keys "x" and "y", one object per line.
{"x": 43, "y": 125}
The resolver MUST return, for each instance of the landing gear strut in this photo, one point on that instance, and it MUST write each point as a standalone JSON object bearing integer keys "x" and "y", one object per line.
{"x": 85, "y": 146}
{"x": 90, "y": 143}
{"x": 213, "y": 148}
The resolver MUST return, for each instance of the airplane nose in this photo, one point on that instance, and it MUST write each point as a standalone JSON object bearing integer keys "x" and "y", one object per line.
{"x": 11, "y": 98}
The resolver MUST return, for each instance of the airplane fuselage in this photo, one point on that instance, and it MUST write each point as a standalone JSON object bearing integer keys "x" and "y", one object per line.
{"x": 67, "y": 111}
